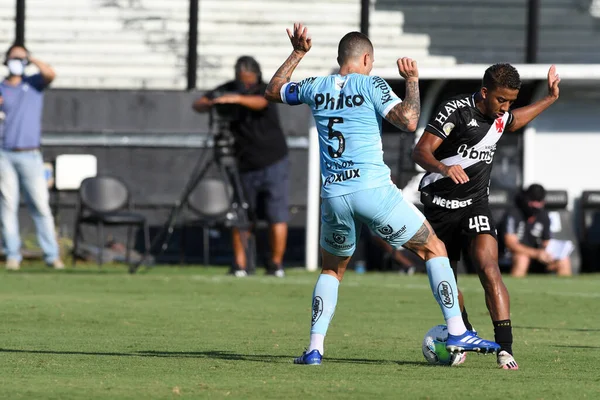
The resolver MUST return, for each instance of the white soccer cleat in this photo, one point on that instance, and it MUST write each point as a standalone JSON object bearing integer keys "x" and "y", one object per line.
{"x": 279, "y": 273}
{"x": 460, "y": 358}
{"x": 12, "y": 265}
{"x": 506, "y": 360}
{"x": 57, "y": 264}
{"x": 240, "y": 273}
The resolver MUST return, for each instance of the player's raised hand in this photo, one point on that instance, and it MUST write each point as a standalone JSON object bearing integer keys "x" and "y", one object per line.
{"x": 553, "y": 81}
{"x": 408, "y": 68}
{"x": 456, "y": 173}
{"x": 300, "y": 38}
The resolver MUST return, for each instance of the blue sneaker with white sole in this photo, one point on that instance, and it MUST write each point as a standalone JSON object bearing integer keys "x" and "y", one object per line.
{"x": 469, "y": 341}
{"x": 309, "y": 358}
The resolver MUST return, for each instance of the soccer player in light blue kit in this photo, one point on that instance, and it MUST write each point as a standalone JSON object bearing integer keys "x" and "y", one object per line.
{"x": 356, "y": 184}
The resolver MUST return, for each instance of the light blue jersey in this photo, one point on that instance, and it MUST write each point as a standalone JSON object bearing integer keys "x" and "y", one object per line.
{"x": 348, "y": 112}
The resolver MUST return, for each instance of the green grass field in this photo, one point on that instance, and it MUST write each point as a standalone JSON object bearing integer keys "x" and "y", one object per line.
{"x": 196, "y": 333}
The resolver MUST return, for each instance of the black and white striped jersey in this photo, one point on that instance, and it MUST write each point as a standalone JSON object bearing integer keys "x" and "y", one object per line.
{"x": 469, "y": 139}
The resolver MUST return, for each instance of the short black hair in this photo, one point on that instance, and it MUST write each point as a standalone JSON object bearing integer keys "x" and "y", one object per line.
{"x": 12, "y": 46}
{"x": 501, "y": 75}
{"x": 535, "y": 192}
{"x": 247, "y": 63}
{"x": 352, "y": 45}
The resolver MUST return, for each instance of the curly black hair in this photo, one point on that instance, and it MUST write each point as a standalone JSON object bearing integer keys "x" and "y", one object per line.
{"x": 501, "y": 75}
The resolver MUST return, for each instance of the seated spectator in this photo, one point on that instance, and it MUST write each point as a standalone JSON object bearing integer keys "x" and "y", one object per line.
{"x": 527, "y": 234}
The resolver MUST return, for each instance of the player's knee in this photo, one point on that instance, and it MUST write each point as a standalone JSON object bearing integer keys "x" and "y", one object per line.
{"x": 436, "y": 247}
{"x": 334, "y": 265}
{"x": 490, "y": 270}
{"x": 337, "y": 273}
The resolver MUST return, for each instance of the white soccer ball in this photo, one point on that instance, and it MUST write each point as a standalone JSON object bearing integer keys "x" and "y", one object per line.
{"x": 434, "y": 348}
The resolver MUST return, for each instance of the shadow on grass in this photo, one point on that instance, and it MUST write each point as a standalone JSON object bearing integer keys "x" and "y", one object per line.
{"x": 43, "y": 270}
{"x": 214, "y": 354}
{"x": 226, "y": 355}
{"x": 576, "y": 347}
{"x": 120, "y": 269}
{"x": 558, "y": 329}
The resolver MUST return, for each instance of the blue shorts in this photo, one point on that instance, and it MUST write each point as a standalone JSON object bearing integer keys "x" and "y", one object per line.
{"x": 383, "y": 209}
{"x": 267, "y": 191}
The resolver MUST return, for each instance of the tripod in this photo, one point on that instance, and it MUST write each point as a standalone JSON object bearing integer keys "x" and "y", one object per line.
{"x": 224, "y": 159}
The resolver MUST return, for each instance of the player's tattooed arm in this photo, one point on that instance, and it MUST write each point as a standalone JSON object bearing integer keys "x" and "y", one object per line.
{"x": 302, "y": 43}
{"x": 282, "y": 76}
{"x": 406, "y": 114}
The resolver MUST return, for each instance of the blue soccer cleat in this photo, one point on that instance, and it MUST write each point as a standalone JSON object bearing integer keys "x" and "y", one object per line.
{"x": 310, "y": 358}
{"x": 469, "y": 341}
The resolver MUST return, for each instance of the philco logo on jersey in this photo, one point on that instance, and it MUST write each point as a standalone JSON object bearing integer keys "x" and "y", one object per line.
{"x": 486, "y": 154}
{"x": 342, "y": 176}
{"x": 339, "y": 102}
{"x": 451, "y": 204}
{"x": 379, "y": 83}
{"x": 450, "y": 107}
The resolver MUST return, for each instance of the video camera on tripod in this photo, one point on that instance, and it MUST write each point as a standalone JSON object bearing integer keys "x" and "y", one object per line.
{"x": 220, "y": 118}
{"x": 230, "y": 207}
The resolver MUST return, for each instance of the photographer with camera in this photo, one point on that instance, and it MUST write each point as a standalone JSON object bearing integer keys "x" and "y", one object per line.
{"x": 21, "y": 162}
{"x": 262, "y": 155}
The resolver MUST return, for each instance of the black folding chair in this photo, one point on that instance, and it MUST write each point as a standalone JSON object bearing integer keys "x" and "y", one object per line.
{"x": 105, "y": 201}
{"x": 211, "y": 203}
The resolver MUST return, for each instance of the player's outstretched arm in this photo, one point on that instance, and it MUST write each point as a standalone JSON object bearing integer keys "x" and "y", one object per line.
{"x": 406, "y": 114}
{"x": 302, "y": 43}
{"x": 524, "y": 115}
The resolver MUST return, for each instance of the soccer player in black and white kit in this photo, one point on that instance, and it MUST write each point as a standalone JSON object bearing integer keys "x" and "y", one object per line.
{"x": 457, "y": 150}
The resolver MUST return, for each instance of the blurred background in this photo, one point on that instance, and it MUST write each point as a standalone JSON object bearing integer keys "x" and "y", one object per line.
{"x": 128, "y": 72}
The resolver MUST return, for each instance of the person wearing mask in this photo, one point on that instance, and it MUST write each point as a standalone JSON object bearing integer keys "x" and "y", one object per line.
{"x": 21, "y": 162}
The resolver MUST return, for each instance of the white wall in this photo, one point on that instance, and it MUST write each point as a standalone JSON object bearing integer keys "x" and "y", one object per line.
{"x": 564, "y": 151}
